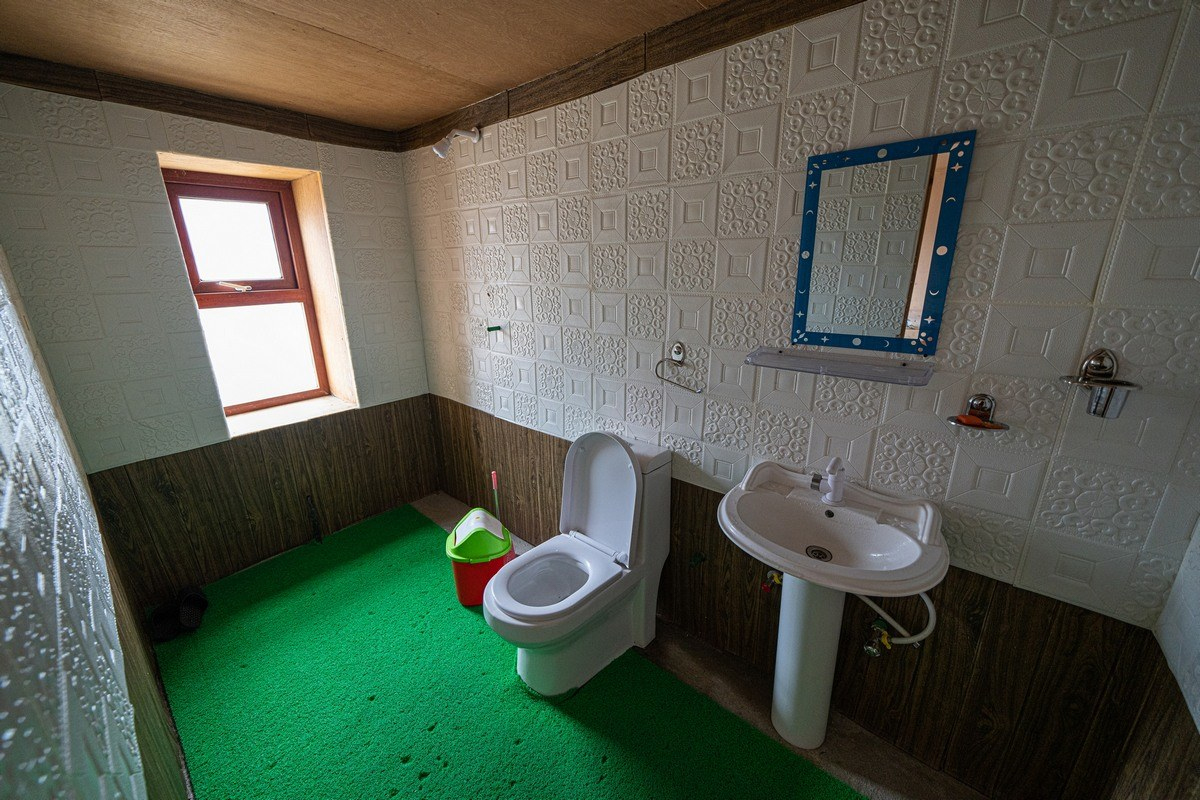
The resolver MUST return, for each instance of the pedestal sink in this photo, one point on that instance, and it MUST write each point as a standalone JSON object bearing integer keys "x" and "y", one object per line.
{"x": 873, "y": 544}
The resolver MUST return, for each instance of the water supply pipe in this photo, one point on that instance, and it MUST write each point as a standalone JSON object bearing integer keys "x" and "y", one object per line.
{"x": 908, "y": 638}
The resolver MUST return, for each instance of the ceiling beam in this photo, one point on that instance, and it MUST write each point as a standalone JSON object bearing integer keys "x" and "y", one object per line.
{"x": 93, "y": 85}
{"x": 711, "y": 29}
{"x": 47, "y": 75}
{"x": 729, "y": 23}
{"x": 191, "y": 103}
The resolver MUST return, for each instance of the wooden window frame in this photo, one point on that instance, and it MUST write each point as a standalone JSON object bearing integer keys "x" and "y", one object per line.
{"x": 292, "y": 287}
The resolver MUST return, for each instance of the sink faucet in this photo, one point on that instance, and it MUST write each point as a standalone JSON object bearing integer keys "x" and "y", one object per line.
{"x": 832, "y": 483}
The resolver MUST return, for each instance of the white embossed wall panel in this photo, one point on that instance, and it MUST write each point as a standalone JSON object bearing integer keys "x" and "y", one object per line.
{"x": 93, "y": 248}
{"x": 1177, "y": 626}
{"x": 66, "y": 725}
{"x": 1080, "y": 231}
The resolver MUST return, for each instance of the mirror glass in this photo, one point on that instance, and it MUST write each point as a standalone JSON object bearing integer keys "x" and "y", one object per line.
{"x": 877, "y": 241}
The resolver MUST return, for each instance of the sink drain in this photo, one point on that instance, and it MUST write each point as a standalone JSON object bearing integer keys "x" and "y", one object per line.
{"x": 819, "y": 553}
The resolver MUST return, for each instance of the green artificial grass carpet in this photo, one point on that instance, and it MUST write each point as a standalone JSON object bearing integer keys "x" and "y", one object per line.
{"x": 349, "y": 670}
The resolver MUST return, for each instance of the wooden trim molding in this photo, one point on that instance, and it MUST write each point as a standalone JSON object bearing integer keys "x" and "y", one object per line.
{"x": 332, "y": 131}
{"x": 486, "y": 112}
{"x": 616, "y": 64}
{"x": 50, "y": 76}
{"x": 191, "y": 103}
{"x": 326, "y": 290}
{"x": 708, "y": 30}
{"x": 223, "y": 166}
{"x": 711, "y": 29}
{"x": 726, "y": 24}
{"x": 93, "y": 85}
{"x": 720, "y": 26}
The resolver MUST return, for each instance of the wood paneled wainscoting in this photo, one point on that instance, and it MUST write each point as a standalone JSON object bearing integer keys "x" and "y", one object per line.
{"x": 1016, "y": 695}
{"x": 163, "y": 763}
{"x": 193, "y": 517}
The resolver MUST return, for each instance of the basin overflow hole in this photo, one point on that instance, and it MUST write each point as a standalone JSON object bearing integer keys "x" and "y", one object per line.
{"x": 818, "y": 553}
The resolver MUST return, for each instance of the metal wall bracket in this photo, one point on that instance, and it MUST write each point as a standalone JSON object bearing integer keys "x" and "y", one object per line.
{"x": 677, "y": 358}
{"x": 978, "y": 414}
{"x": 1098, "y": 373}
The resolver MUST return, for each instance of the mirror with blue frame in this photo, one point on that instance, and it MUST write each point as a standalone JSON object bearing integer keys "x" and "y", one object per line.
{"x": 877, "y": 241}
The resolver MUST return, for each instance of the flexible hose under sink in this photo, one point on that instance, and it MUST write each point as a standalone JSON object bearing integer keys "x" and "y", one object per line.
{"x": 908, "y": 638}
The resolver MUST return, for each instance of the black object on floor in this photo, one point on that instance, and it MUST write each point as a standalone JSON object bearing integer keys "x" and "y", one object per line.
{"x": 192, "y": 605}
{"x": 183, "y": 614}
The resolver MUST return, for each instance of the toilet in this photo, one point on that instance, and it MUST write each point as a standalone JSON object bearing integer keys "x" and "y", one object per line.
{"x": 574, "y": 603}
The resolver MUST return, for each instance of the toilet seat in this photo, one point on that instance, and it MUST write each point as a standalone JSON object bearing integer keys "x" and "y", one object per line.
{"x": 565, "y": 555}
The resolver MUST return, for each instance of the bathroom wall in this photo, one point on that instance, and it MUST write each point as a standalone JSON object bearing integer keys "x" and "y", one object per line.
{"x": 1178, "y": 628}
{"x": 68, "y": 723}
{"x": 93, "y": 248}
{"x": 666, "y": 208}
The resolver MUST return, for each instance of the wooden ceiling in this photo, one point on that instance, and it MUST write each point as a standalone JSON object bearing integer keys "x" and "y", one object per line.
{"x": 379, "y": 63}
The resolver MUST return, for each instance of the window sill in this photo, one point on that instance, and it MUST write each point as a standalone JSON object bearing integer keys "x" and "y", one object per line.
{"x": 277, "y": 417}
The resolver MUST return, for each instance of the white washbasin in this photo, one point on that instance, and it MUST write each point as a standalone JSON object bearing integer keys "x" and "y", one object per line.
{"x": 874, "y": 544}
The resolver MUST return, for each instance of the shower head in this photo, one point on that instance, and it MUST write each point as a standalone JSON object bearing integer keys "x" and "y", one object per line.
{"x": 442, "y": 148}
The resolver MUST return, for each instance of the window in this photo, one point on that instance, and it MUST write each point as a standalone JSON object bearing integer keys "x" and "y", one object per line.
{"x": 241, "y": 244}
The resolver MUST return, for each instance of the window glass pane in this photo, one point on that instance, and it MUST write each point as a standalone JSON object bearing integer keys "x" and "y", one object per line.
{"x": 259, "y": 351}
{"x": 231, "y": 239}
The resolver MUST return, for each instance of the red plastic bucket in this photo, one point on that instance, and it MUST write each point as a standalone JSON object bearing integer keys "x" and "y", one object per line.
{"x": 470, "y": 579}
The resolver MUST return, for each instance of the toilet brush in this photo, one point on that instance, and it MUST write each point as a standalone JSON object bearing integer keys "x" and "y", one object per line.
{"x": 496, "y": 494}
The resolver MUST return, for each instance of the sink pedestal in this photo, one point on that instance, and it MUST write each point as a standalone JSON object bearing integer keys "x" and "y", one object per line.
{"x": 873, "y": 544}
{"x": 810, "y": 623}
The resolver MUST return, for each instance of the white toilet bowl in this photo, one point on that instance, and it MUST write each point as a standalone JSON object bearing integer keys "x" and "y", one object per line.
{"x": 574, "y": 603}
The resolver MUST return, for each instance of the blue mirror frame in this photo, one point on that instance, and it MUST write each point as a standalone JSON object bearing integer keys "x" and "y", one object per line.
{"x": 959, "y": 148}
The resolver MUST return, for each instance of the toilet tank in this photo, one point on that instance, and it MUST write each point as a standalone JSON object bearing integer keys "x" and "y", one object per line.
{"x": 654, "y": 521}
{"x": 650, "y": 456}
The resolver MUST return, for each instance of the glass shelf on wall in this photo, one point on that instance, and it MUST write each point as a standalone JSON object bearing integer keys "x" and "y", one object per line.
{"x": 905, "y": 373}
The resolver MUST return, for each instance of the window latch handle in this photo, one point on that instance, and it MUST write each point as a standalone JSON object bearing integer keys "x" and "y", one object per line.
{"x": 237, "y": 287}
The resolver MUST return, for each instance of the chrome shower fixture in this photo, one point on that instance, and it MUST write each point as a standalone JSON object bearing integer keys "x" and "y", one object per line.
{"x": 442, "y": 148}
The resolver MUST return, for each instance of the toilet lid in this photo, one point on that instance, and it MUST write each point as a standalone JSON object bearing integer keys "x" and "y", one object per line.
{"x": 602, "y": 488}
